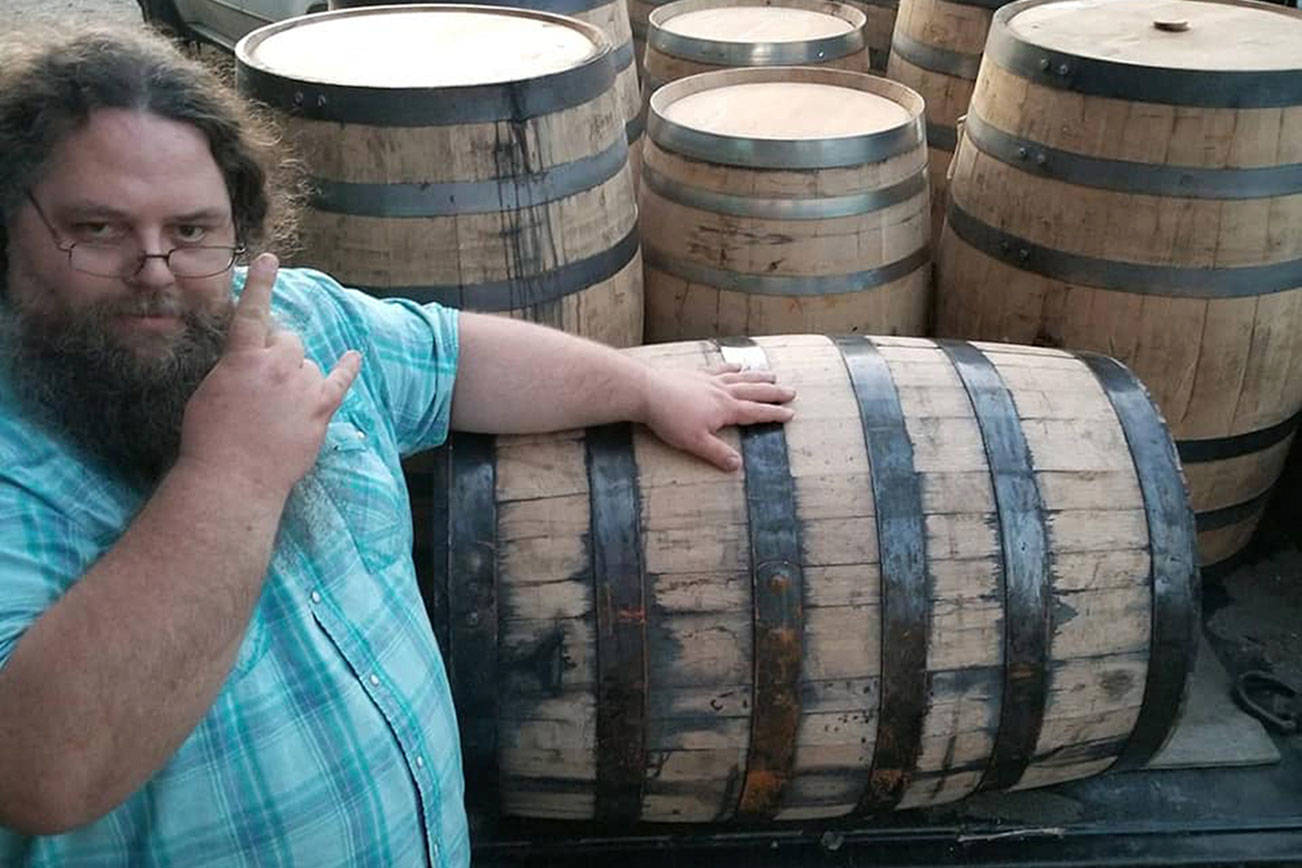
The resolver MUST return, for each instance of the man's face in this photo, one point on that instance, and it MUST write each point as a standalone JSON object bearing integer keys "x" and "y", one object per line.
{"x": 134, "y": 179}
{"x": 113, "y": 361}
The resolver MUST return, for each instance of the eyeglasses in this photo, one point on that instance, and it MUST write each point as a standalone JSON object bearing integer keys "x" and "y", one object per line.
{"x": 126, "y": 260}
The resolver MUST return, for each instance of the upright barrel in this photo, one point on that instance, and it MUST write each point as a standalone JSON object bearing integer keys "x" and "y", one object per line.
{"x": 691, "y": 36}
{"x": 612, "y": 17}
{"x": 960, "y": 567}
{"x": 936, "y": 50}
{"x": 881, "y": 16}
{"x": 1129, "y": 180}
{"x": 474, "y": 156}
{"x": 785, "y": 199}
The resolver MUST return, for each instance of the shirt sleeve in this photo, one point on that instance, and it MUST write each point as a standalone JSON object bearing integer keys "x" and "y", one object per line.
{"x": 41, "y": 556}
{"x": 409, "y": 352}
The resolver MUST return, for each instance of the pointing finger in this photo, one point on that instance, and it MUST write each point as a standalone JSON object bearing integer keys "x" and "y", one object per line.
{"x": 340, "y": 380}
{"x": 252, "y": 322}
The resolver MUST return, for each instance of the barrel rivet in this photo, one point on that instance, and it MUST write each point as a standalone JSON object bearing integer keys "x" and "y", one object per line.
{"x": 1063, "y": 69}
{"x": 1044, "y": 63}
{"x": 298, "y": 97}
{"x": 1041, "y": 159}
{"x": 1023, "y": 254}
{"x": 472, "y": 619}
{"x": 1022, "y": 153}
{"x": 321, "y": 101}
{"x": 1005, "y": 246}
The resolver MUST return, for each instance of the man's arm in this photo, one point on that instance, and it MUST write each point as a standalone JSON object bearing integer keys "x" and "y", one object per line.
{"x": 516, "y": 377}
{"x": 106, "y": 684}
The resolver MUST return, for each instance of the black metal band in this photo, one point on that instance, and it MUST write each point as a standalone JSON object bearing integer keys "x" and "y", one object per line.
{"x": 622, "y": 56}
{"x": 447, "y": 198}
{"x": 877, "y": 58}
{"x": 1129, "y": 177}
{"x": 777, "y": 582}
{"x": 786, "y": 284}
{"x": 1173, "y": 556}
{"x": 619, "y": 597}
{"x": 942, "y": 137}
{"x": 634, "y": 127}
{"x": 935, "y": 58}
{"x": 1024, "y": 569}
{"x": 1167, "y": 280}
{"x": 906, "y": 585}
{"x": 425, "y": 106}
{"x": 557, "y": 7}
{"x": 1208, "y": 88}
{"x": 467, "y": 501}
{"x": 521, "y": 292}
{"x": 1215, "y": 519}
{"x": 1221, "y": 448}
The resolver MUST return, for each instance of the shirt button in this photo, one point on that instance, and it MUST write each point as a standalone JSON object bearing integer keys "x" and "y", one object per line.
{"x": 375, "y": 680}
{"x": 316, "y": 598}
{"x": 420, "y": 762}
{"x": 361, "y": 435}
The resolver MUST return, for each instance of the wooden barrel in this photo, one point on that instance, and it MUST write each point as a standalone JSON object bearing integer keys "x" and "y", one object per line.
{"x": 639, "y": 11}
{"x": 474, "y": 156}
{"x": 612, "y": 17}
{"x": 881, "y": 24}
{"x": 1129, "y": 180}
{"x": 936, "y": 50}
{"x": 785, "y": 199}
{"x": 690, "y": 36}
{"x": 960, "y": 567}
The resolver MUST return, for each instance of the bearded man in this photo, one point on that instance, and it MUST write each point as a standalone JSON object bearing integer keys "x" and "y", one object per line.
{"x": 212, "y": 646}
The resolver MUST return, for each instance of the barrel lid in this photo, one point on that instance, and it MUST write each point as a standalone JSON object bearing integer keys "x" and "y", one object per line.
{"x": 1185, "y": 34}
{"x": 757, "y": 32}
{"x": 426, "y": 64}
{"x": 422, "y": 47}
{"x": 1209, "y": 53}
{"x": 785, "y": 117}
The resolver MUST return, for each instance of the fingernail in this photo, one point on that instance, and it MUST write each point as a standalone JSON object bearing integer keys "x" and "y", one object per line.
{"x": 734, "y": 462}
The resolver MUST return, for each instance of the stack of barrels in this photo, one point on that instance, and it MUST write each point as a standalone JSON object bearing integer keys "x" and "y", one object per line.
{"x": 964, "y": 565}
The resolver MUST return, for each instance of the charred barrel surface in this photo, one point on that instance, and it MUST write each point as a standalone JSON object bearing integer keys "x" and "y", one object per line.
{"x": 961, "y": 565}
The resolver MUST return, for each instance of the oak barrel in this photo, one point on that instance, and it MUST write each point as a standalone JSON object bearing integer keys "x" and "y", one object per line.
{"x": 612, "y": 17}
{"x": 784, "y": 199}
{"x": 470, "y": 155}
{"x": 960, "y": 567}
{"x": 690, "y": 36}
{"x": 1129, "y": 180}
{"x": 936, "y": 50}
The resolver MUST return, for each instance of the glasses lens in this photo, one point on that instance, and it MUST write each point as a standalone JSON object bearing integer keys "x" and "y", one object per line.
{"x": 201, "y": 261}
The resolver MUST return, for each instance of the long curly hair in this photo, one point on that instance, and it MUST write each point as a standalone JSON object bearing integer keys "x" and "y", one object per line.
{"x": 52, "y": 80}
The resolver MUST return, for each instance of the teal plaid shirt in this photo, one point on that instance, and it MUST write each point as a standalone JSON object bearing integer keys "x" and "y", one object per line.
{"x": 333, "y": 741}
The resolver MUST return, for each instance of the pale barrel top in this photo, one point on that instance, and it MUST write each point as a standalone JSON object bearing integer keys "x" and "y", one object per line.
{"x": 786, "y": 110}
{"x": 1176, "y": 34}
{"x": 748, "y": 24}
{"x": 441, "y": 47}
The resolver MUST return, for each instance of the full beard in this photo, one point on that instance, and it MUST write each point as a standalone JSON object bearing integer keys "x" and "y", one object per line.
{"x": 121, "y": 405}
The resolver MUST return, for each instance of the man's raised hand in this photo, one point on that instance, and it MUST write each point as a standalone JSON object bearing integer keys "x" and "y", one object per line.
{"x": 261, "y": 413}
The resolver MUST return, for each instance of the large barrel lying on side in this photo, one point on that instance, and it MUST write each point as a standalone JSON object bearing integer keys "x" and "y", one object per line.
{"x": 1129, "y": 180}
{"x": 470, "y": 155}
{"x": 960, "y": 567}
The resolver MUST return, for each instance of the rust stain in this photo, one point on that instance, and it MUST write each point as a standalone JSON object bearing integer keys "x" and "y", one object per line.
{"x": 761, "y": 791}
{"x": 631, "y": 615}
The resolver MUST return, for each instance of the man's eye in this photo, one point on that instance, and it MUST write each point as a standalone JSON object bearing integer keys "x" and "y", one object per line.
{"x": 190, "y": 234}
{"x": 92, "y": 230}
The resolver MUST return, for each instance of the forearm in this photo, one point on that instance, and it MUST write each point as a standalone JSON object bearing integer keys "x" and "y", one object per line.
{"x": 105, "y": 686}
{"x": 516, "y": 377}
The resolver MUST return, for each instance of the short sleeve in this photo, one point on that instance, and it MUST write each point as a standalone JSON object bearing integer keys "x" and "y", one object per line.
{"x": 409, "y": 350}
{"x": 41, "y": 555}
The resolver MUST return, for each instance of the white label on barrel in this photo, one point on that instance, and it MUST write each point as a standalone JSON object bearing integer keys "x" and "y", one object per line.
{"x": 750, "y": 24}
{"x": 786, "y": 110}
{"x": 437, "y": 47}
{"x": 1220, "y": 36}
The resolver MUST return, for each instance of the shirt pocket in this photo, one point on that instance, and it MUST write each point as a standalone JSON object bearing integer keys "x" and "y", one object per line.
{"x": 371, "y": 501}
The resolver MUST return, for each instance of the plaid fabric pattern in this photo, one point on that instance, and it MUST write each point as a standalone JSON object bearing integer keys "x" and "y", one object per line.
{"x": 333, "y": 741}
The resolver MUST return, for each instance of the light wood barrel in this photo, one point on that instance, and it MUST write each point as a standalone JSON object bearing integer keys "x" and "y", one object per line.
{"x": 473, "y": 156}
{"x": 690, "y": 36}
{"x": 1129, "y": 180}
{"x": 785, "y": 199}
{"x": 936, "y": 50}
{"x": 960, "y": 567}
{"x": 881, "y": 24}
{"x": 612, "y": 17}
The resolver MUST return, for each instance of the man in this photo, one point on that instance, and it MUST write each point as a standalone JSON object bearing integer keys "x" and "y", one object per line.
{"x": 212, "y": 649}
